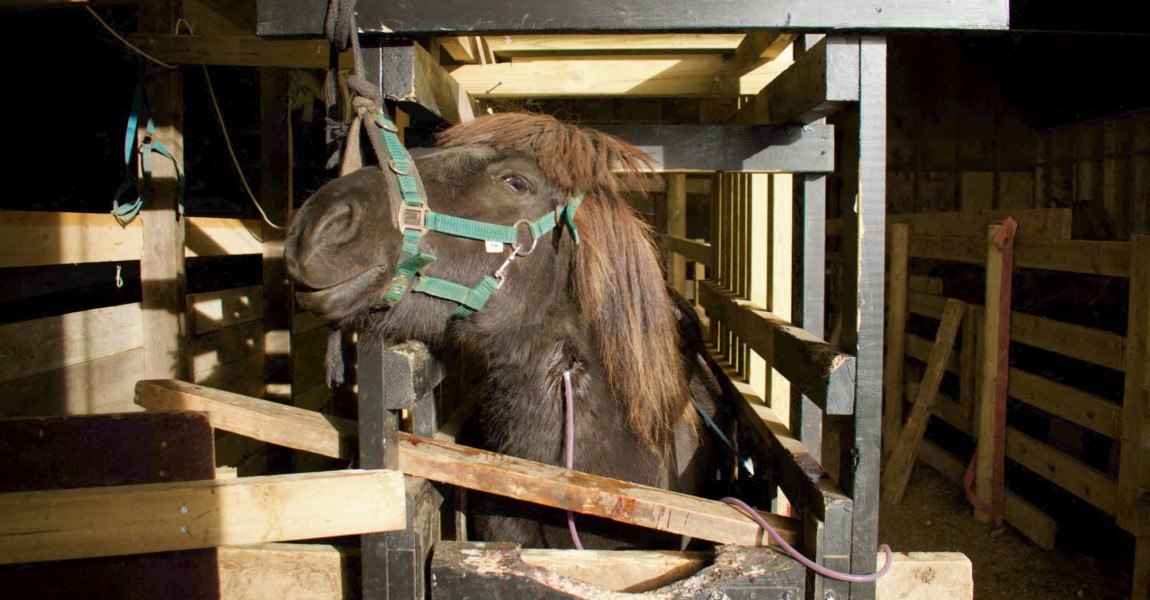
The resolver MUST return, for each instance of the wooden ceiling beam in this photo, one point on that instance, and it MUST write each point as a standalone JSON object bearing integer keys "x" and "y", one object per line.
{"x": 818, "y": 83}
{"x": 521, "y": 45}
{"x": 763, "y": 45}
{"x": 650, "y": 76}
{"x": 237, "y": 50}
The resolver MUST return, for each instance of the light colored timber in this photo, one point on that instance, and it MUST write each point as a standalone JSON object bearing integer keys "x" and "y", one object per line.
{"x": 816, "y": 84}
{"x": 134, "y": 519}
{"x": 1023, "y": 516}
{"x": 209, "y": 236}
{"x": 897, "y": 472}
{"x": 85, "y": 388}
{"x": 763, "y": 45}
{"x": 677, "y": 227}
{"x": 259, "y": 419}
{"x": 290, "y": 571}
{"x": 1075, "y": 256}
{"x": 210, "y": 311}
{"x": 212, "y": 351}
{"x": 587, "y": 494}
{"x": 1071, "y": 475}
{"x": 630, "y": 571}
{"x": 29, "y": 239}
{"x": 509, "y": 46}
{"x": 50, "y": 343}
{"x": 699, "y": 252}
{"x": 927, "y": 575}
{"x": 697, "y": 76}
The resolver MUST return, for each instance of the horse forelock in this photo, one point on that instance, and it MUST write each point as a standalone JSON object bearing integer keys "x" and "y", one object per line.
{"x": 616, "y": 276}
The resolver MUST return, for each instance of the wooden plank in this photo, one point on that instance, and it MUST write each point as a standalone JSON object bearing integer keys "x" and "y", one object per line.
{"x": 898, "y": 240}
{"x": 208, "y": 236}
{"x": 225, "y": 346}
{"x": 777, "y": 191}
{"x": 259, "y": 419}
{"x": 808, "y": 362}
{"x": 238, "y": 51}
{"x": 421, "y": 87}
{"x": 923, "y": 284}
{"x": 820, "y": 82}
{"x": 683, "y": 76}
{"x": 934, "y": 575}
{"x": 676, "y": 229}
{"x": 210, "y": 311}
{"x": 1076, "y": 256}
{"x": 466, "y": 49}
{"x": 134, "y": 519}
{"x": 528, "y": 44}
{"x": 89, "y": 387}
{"x": 897, "y": 472}
{"x": 275, "y": 196}
{"x": 1023, "y": 516}
{"x": 1084, "y": 343}
{"x": 1037, "y": 223}
{"x": 732, "y": 147}
{"x": 300, "y": 18}
{"x": 694, "y": 250}
{"x": 52, "y": 343}
{"x": 30, "y": 239}
{"x": 587, "y": 494}
{"x": 1072, "y": 404}
{"x": 1140, "y": 584}
{"x": 991, "y": 400}
{"x": 296, "y": 571}
{"x": 637, "y": 571}
{"x": 1079, "y": 479}
{"x": 1134, "y": 461}
{"x": 763, "y": 45}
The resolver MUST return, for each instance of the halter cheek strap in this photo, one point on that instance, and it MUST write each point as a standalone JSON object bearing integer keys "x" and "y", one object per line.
{"x": 416, "y": 219}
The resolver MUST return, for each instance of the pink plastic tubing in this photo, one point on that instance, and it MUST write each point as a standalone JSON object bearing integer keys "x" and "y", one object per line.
{"x": 570, "y": 458}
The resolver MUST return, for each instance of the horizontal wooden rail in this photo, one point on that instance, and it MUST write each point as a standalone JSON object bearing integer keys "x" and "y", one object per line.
{"x": 759, "y": 148}
{"x": 699, "y": 252}
{"x": 1074, "y": 256}
{"x": 820, "y": 82}
{"x": 467, "y": 467}
{"x": 1035, "y": 223}
{"x": 134, "y": 519}
{"x": 823, "y": 374}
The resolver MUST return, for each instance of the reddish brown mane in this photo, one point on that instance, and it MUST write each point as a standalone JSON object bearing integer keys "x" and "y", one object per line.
{"x": 617, "y": 277}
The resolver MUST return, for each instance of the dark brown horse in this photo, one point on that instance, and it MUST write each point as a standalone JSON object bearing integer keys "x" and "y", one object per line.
{"x": 584, "y": 293}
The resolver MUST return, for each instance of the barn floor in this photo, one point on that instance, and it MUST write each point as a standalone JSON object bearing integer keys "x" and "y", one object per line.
{"x": 934, "y": 516}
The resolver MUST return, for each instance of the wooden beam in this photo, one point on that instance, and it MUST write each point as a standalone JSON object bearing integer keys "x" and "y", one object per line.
{"x": 1036, "y": 223}
{"x": 101, "y": 385}
{"x": 134, "y": 519}
{"x": 820, "y": 82}
{"x": 676, "y": 227}
{"x": 898, "y": 239}
{"x": 637, "y": 571}
{"x": 587, "y": 494}
{"x": 905, "y": 450}
{"x": 467, "y": 49}
{"x": 990, "y": 408}
{"x": 693, "y": 250}
{"x": 1075, "y": 256}
{"x": 732, "y": 147}
{"x": 259, "y": 419}
{"x": 238, "y": 51}
{"x": 296, "y": 571}
{"x": 40, "y": 345}
{"x": 1134, "y": 461}
{"x": 209, "y": 236}
{"x": 528, "y": 44}
{"x": 209, "y": 311}
{"x": 415, "y": 80}
{"x": 1083, "y": 481}
{"x": 49, "y": 238}
{"x": 301, "y": 18}
{"x": 684, "y": 76}
{"x": 825, "y": 375}
{"x": 934, "y": 575}
{"x": 763, "y": 45}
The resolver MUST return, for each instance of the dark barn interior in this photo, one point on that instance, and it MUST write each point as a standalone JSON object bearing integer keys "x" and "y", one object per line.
{"x": 917, "y": 236}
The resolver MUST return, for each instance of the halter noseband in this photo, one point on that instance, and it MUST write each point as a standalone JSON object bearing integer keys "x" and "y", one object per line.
{"x": 415, "y": 219}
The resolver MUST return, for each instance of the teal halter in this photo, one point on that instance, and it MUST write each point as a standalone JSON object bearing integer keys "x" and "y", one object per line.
{"x": 416, "y": 219}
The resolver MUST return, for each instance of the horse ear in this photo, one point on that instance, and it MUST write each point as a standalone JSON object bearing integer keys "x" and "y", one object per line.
{"x": 619, "y": 285}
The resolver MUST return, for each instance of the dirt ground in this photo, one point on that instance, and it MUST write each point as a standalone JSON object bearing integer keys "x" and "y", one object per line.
{"x": 934, "y": 516}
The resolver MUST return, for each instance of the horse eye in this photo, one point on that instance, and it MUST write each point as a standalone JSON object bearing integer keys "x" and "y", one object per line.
{"x": 517, "y": 183}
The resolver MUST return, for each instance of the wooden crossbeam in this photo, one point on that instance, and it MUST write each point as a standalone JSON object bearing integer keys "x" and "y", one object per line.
{"x": 820, "y": 81}
{"x": 763, "y": 45}
{"x": 134, "y": 519}
{"x": 529, "y": 44}
{"x": 699, "y": 252}
{"x": 820, "y": 372}
{"x": 238, "y": 51}
{"x": 905, "y": 452}
{"x": 476, "y": 469}
{"x": 732, "y": 147}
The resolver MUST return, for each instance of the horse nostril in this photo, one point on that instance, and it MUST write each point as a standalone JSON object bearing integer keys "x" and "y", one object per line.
{"x": 337, "y": 226}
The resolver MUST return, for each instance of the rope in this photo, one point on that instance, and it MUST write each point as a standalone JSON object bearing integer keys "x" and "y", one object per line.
{"x": 125, "y": 42}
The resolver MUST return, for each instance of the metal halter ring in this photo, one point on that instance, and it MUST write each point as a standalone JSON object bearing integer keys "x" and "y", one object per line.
{"x": 517, "y": 248}
{"x": 387, "y": 126}
{"x": 394, "y": 169}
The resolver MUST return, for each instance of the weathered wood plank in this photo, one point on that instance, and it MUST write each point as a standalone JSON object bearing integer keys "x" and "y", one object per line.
{"x": 699, "y": 252}
{"x": 994, "y": 360}
{"x": 296, "y": 571}
{"x": 897, "y": 286}
{"x": 133, "y": 519}
{"x": 637, "y": 571}
{"x": 420, "y": 86}
{"x": 305, "y": 18}
{"x": 905, "y": 451}
{"x": 1079, "y": 479}
{"x": 820, "y": 82}
{"x": 49, "y": 238}
{"x": 808, "y": 362}
{"x": 51, "y": 343}
{"x": 238, "y": 51}
{"x": 746, "y": 148}
{"x": 209, "y": 236}
{"x": 1075, "y": 256}
{"x": 587, "y": 494}
{"x": 259, "y": 419}
{"x": 1134, "y": 461}
{"x": 934, "y": 575}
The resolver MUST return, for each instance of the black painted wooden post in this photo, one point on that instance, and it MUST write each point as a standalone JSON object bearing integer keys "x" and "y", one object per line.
{"x": 391, "y": 380}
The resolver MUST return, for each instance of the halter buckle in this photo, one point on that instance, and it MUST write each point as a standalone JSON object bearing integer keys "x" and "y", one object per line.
{"x": 415, "y": 218}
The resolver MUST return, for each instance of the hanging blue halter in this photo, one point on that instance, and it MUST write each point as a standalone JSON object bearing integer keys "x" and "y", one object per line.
{"x": 416, "y": 219}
